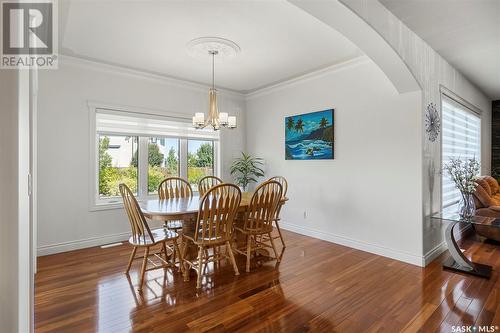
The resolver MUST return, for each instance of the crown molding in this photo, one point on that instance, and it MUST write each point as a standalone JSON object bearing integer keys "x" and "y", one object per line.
{"x": 143, "y": 75}
{"x": 363, "y": 59}
{"x": 163, "y": 79}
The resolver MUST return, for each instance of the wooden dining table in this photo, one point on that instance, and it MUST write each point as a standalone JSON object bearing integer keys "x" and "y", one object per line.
{"x": 182, "y": 208}
{"x": 186, "y": 209}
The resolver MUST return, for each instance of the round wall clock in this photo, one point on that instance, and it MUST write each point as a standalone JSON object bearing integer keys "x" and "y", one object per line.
{"x": 432, "y": 122}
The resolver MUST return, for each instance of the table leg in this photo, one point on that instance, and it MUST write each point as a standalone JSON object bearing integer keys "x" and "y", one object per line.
{"x": 460, "y": 263}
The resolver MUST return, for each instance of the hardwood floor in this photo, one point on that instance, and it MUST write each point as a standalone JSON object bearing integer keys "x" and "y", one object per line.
{"x": 318, "y": 287}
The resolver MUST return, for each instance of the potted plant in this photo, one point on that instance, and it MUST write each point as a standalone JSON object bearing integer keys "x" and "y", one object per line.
{"x": 246, "y": 169}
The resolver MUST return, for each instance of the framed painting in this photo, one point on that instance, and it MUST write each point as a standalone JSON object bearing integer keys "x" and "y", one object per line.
{"x": 309, "y": 136}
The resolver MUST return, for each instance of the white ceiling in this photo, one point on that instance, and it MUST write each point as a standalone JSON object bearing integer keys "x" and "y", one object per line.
{"x": 278, "y": 40}
{"x": 464, "y": 32}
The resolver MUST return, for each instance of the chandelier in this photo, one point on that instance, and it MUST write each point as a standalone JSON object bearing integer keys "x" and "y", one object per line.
{"x": 215, "y": 119}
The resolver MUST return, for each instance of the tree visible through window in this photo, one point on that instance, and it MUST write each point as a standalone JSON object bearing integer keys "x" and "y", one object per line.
{"x": 142, "y": 150}
{"x": 200, "y": 161}
{"x": 116, "y": 165}
{"x": 163, "y": 161}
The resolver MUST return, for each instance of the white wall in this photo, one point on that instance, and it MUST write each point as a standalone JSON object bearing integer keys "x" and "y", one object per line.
{"x": 432, "y": 72}
{"x": 369, "y": 196}
{"x": 9, "y": 200}
{"x": 64, "y": 219}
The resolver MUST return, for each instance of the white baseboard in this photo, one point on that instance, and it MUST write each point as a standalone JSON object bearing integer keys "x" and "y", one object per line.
{"x": 440, "y": 248}
{"x": 410, "y": 258}
{"x": 434, "y": 253}
{"x": 81, "y": 244}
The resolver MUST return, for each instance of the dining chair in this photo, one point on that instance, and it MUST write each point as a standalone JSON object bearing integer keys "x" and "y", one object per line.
{"x": 174, "y": 188}
{"x": 214, "y": 228}
{"x": 144, "y": 237}
{"x": 207, "y": 183}
{"x": 284, "y": 184}
{"x": 259, "y": 219}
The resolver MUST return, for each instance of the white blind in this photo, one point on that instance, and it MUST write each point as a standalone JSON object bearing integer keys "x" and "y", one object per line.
{"x": 129, "y": 123}
{"x": 461, "y": 138}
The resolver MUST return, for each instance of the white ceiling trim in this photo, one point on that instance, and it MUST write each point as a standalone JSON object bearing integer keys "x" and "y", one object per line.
{"x": 309, "y": 76}
{"x": 162, "y": 79}
{"x": 143, "y": 75}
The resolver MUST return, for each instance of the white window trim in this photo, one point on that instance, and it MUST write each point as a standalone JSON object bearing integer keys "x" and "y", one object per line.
{"x": 98, "y": 204}
{"x": 443, "y": 91}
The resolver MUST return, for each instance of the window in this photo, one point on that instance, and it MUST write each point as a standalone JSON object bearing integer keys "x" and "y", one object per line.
{"x": 117, "y": 164}
{"x": 163, "y": 161}
{"x": 200, "y": 161}
{"x": 141, "y": 150}
{"x": 461, "y": 138}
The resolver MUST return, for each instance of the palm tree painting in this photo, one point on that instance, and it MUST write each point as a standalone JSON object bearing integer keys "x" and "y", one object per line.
{"x": 309, "y": 136}
{"x": 299, "y": 126}
{"x": 323, "y": 122}
{"x": 290, "y": 124}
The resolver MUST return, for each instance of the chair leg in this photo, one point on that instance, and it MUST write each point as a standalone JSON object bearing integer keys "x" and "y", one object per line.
{"x": 132, "y": 255}
{"x": 206, "y": 265}
{"x": 201, "y": 252}
{"x": 144, "y": 264}
{"x": 274, "y": 247}
{"x": 174, "y": 253}
{"x": 281, "y": 236}
{"x": 249, "y": 248}
{"x": 181, "y": 261}
{"x": 216, "y": 256}
{"x": 164, "y": 247}
{"x": 231, "y": 257}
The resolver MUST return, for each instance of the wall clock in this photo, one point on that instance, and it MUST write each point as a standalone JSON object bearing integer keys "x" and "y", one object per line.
{"x": 432, "y": 122}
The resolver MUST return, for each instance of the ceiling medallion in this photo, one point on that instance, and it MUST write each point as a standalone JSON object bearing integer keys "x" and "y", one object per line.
{"x": 200, "y": 47}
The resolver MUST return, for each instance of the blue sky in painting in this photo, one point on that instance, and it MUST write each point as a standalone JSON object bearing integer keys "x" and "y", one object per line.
{"x": 311, "y": 123}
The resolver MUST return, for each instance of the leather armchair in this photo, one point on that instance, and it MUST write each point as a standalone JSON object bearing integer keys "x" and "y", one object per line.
{"x": 487, "y": 200}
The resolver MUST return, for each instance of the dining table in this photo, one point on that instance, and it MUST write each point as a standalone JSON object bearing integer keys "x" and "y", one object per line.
{"x": 186, "y": 209}
{"x": 183, "y": 208}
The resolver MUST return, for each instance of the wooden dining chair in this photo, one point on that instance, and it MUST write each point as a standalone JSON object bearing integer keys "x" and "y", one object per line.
{"x": 259, "y": 219}
{"x": 214, "y": 228}
{"x": 284, "y": 184}
{"x": 207, "y": 183}
{"x": 174, "y": 188}
{"x": 144, "y": 237}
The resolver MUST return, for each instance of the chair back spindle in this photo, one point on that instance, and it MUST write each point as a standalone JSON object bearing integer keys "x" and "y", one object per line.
{"x": 207, "y": 183}
{"x": 218, "y": 209}
{"x": 284, "y": 184}
{"x": 138, "y": 224}
{"x": 174, "y": 188}
{"x": 263, "y": 205}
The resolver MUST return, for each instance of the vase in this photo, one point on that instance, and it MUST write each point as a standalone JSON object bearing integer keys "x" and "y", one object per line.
{"x": 467, "y": 207}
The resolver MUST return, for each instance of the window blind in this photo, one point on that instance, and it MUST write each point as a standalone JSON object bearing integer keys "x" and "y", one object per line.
{"x": 137, "y": 124}
{"x": 461, "y": 138}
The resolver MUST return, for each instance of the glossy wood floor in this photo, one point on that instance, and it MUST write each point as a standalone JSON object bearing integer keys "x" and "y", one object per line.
{"x": 318, "y": 287}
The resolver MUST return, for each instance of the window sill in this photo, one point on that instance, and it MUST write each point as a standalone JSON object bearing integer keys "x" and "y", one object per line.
{"x": 116, "y": 203}
{"x": 106, "y": 206}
